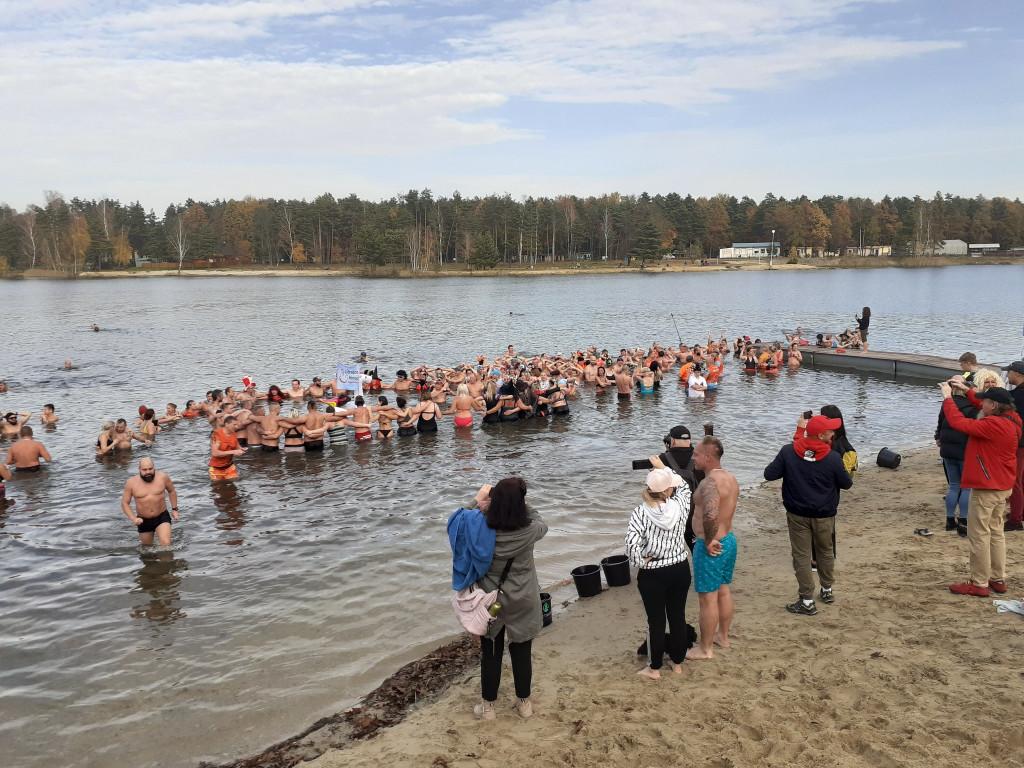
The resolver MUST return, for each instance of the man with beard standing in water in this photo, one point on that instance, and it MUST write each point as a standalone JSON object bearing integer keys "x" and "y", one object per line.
{"x": 147, "y": 489}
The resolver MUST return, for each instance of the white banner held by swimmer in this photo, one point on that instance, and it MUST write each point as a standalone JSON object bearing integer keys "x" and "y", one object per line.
{"x": 348, "y": 378}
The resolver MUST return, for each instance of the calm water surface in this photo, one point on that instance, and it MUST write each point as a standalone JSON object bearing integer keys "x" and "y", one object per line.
{"x": 288, "y": 594}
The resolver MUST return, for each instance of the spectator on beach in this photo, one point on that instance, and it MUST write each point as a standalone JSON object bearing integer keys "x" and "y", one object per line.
{"x": 951, "y": 443}
{"x": 714, "y": 552}
{"x": 655, "y": 545}
{"x": 1015, "y": 375}
{"x": 517, "y": 528}
{"x": 812, "y": 476}
{"x": 969, "y": 365}
{"x": 990, "y": 470}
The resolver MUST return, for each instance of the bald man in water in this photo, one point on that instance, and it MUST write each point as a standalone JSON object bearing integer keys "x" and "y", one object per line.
{"x": 147, "y": 489}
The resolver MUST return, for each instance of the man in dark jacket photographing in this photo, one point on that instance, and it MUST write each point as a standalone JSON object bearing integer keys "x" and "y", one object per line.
{"x": 812, "y": 476}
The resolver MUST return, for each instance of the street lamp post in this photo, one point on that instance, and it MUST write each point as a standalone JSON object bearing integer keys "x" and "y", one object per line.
{"x": 771, "y": 253}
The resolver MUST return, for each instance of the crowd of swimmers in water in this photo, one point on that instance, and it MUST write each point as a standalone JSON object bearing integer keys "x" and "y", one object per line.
{"x": 508, "y": 388}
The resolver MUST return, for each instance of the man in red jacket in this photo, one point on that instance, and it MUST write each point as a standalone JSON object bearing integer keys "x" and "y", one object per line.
{"x": 990, "y": 468}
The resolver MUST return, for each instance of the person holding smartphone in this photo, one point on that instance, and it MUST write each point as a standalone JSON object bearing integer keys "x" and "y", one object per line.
{"x": 517, "y": 528}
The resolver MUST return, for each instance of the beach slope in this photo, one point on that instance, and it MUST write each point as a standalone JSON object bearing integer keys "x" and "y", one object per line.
{"x": 897, "y": 672}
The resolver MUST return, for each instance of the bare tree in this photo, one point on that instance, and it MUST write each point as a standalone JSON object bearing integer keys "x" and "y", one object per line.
{"x": 177, "y": 236}
{"x": 30, "y": 243}
{"x": 286, "y": 217}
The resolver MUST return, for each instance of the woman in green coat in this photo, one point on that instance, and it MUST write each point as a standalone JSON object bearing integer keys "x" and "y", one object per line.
{"x": 517, "y": 528}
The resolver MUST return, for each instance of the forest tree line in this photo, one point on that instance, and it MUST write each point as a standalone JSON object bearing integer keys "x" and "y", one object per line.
{"x": 419, "y": 231}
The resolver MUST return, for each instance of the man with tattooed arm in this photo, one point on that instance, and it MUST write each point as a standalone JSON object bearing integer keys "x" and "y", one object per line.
{"x": 714, "y": 551}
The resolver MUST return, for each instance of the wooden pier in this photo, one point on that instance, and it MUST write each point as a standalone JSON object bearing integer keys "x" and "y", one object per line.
{"x": 905, "y": 365}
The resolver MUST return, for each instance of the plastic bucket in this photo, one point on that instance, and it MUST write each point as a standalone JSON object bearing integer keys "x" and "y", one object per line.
{"x": 888, "y": 459}
{"x": 587, "y": 579}
{"x": 545, "y": 608}
{"x": 616, "y": 570}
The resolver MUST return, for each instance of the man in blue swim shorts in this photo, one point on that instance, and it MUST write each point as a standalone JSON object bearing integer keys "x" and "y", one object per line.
{"x": 714, "y": 551}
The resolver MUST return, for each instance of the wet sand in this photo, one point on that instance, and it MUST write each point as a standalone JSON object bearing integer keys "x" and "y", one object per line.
{"x": 897, "y": 672}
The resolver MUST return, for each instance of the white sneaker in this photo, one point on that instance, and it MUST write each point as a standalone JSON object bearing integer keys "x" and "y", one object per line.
{"x": 484, "y": 710}
{"x": 525, "y": 707}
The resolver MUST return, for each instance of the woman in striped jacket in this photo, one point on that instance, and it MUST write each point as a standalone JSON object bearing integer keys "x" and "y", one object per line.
{"x": 654, "y": 544}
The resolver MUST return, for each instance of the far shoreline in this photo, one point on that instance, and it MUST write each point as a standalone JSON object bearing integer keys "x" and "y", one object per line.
{"x": 657, "y": 267}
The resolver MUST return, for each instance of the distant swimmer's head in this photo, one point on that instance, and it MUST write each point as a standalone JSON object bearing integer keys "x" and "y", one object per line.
{"x": 147, "y": 471}
{"x": 11, "y": 417}
{"x": 67, "y": 364}
{"x": 316, "y": 379}
{"x": 400, "y": 402}
{"x": 107, "y": 426}
{"x": 148, "y": 414}
{"x": 121, "y": 425}
{"x": 3, "y": 386}
{"x": 402, "y": 374}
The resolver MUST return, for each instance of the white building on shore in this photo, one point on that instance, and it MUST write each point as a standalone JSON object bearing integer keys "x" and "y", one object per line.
{"x": 749, "y": 251}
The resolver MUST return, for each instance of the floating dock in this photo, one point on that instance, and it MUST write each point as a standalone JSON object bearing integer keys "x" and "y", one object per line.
{"x": 886, "y": 363}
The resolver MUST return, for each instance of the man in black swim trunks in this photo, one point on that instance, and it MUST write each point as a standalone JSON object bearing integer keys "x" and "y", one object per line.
{"x": 147, "y": 489}
{"x": 25, "y": 454}
{"x": 623, "y": 382}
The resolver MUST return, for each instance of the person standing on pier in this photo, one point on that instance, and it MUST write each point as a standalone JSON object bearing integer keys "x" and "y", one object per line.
{"x": 863, "y": 321}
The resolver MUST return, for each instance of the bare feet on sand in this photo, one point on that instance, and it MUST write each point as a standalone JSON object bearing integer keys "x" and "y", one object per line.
{"x": 721, "y": 642}
{"x": 653, "y": 674}
{"x": 677, "y": 668}
{"x": 697, "y": 653}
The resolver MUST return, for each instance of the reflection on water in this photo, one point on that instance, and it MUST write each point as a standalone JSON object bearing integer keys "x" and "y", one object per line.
{"x": 229, "y": 502}
{"x": 337, "y": 564}
{"x": 156, "y": 585}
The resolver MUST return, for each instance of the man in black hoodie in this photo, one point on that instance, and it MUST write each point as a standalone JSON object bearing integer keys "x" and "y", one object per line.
{"x": 812, "y": 476}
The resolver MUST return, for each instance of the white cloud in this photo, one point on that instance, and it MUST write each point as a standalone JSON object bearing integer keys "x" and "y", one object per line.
{"x": 125, "y": 90}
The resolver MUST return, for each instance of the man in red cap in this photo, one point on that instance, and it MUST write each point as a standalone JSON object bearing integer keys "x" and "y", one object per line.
{"x": 990, "y": 469}
{"x": 812, "y": 475}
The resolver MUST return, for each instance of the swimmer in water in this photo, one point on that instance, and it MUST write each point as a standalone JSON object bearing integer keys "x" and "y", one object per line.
{"x": 147, "y": 490}
{"x": 3, "y": 386}
{"x": 11, "y": 425}
{"x": 26, "y": 453}
{"x": 123, "y": 436}
{"x": 48, "y": 417}
{"x": 68, "y": 366}
{"x": 96, "y": 328}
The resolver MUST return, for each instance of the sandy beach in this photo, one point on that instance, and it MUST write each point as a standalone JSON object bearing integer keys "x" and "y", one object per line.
{"x": 897, "y": 672}
{"x": 518, "y": 270}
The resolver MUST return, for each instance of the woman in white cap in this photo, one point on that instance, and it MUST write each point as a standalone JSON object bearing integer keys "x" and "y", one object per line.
{"x": 654, "y": 544}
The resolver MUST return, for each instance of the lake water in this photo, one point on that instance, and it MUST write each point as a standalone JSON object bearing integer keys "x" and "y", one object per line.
{"x": 290, "y": 593}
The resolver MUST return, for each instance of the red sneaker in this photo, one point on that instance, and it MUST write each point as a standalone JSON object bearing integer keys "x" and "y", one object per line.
{"x": 997, "y": 586}
{"x": 968, "y": 588}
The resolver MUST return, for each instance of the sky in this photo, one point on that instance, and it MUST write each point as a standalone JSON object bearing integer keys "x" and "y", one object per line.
{"x": 160, "y": 101}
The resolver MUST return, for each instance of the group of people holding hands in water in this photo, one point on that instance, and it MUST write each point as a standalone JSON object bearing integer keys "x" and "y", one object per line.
{"x": 508, "y": 388}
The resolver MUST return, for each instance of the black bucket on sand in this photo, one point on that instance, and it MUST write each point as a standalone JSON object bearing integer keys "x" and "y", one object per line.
{"x": 545, "y": 608}
{"x": 616, "y": 570}
{"x": 888, "y": 459}
{"x": 588, "y": 580}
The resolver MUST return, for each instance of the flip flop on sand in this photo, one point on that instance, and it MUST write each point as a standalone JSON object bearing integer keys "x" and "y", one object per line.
{"x": 923, "y": 532}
